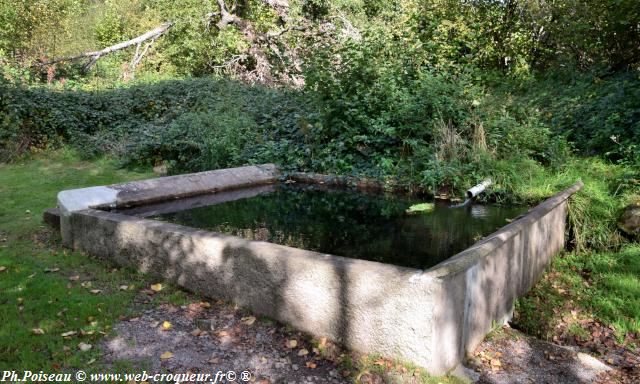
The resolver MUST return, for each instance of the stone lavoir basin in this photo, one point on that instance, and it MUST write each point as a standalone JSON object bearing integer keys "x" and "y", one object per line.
{"x": 349, "y": 265}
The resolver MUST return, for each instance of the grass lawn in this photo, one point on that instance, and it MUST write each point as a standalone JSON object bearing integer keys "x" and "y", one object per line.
{"x": 47, "y": 291}
{"x": 582, "y": 289}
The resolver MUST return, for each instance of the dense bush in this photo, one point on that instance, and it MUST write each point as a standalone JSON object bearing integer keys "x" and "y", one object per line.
{"x": 191, "y": 124}
{"x": 383, "y": 112}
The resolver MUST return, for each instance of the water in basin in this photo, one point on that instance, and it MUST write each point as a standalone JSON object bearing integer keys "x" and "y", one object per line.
{"x": 349, "y": 223}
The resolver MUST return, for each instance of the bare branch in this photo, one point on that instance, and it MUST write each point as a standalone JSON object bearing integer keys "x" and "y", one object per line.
{"x": 137, "y": 57}
{"x": 226, "y": 17}
{"x": 280, "y": 6}
{"x": 235, "y": 59}
{"x": 274, "y": 34}
{"x": 94, "y": 56}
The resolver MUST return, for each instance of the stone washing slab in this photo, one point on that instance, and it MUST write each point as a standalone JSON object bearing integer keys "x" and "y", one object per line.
{"x": 431, "y": 317}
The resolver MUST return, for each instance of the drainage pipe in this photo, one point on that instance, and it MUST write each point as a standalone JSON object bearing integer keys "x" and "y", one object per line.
{"x": 473, "y": 192}
{"x": 478, "y": 189}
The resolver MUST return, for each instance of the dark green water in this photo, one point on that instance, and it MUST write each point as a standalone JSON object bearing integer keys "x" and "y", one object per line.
{"x": 351, "y": 224}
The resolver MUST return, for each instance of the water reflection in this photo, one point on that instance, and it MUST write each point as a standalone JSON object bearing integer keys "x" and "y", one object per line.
{"x": 349, "y": 223}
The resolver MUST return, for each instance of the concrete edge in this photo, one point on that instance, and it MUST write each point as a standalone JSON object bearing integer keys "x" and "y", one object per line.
{"x": 190, "y": 184}
{"x": 363, "y": 184}
{"x": 156, "y": 189}
{"x": 467, "y": 258}
{"x": 321, "y": 294}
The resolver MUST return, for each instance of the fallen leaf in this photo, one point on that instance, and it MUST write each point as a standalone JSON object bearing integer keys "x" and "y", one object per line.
{"x": 166, "y": 355}
{"x": 197, "y": 332}
{"x": 2, "y": 268}
{"x": 303, "y": 352}
{"x": 68, "y": 334}
{"x": 84, "y": 347}
{"x": 205, "y": 304}
{"x": 214, "y": 360}
{"x": 292, "y": 343}
{"x": 74, "y": 278}
{"x": 38, "y": 331}
{"x": 166, "y": 326}
{"x": 222, "y": 333}
{"x": 249, "y": 320}
{"x": 156, "y": 287}
{"x": 379, "y": 362}
{"x": 123, "y": 287}
{"x": 311, "y": 365}
{"x": 322, "y": 342}
{"x": 96, "y": 291}
{"x": 496, "y": 362}
{"x": 49, "y": 270}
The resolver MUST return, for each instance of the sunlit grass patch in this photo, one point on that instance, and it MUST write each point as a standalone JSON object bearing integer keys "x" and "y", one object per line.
{"x": 46, "y": 291}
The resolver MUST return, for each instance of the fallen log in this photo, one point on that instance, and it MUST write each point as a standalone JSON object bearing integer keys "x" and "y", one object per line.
{"x": 95, "y": 55}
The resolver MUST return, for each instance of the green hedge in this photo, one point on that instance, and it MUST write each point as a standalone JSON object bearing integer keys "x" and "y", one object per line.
{"x": 191, "y": 124}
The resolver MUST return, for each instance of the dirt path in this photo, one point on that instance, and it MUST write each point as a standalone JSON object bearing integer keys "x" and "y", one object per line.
{"x": 509, "y": 356}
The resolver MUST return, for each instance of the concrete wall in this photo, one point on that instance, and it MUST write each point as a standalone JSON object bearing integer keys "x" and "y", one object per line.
{"x": 479, "y": 286}
{"x": 430, "y": 317}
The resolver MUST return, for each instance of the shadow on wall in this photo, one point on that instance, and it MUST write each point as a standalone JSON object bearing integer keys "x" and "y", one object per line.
{"x": 272, "y": 284}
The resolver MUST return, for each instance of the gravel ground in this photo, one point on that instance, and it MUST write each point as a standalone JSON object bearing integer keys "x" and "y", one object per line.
{"x": 205, "y": 338}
